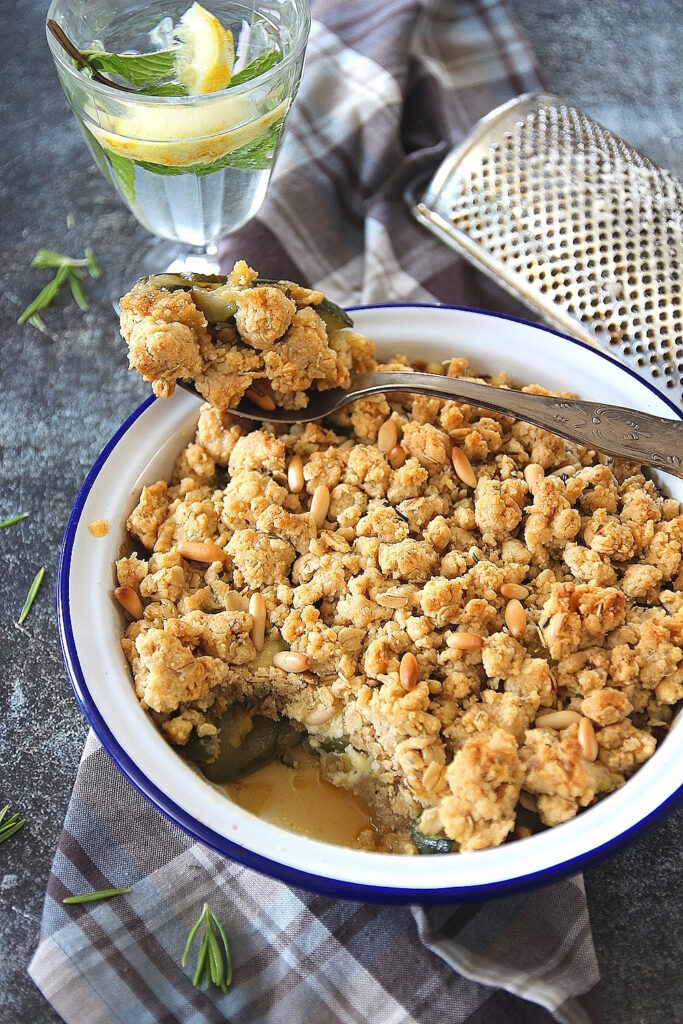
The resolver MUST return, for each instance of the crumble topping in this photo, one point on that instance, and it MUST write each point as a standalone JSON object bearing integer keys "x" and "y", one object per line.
{"x": 407, "y": 560}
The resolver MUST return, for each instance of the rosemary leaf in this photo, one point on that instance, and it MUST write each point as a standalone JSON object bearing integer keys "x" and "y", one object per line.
{"x": 37, "y": 322}
{"x": 193, "y": 931}
{"x": 94, "y": 268}
{"x": 45, "y": 259}
{"x": 98, "y": 894}
{"x": 46, "y": 296}
{"x": 201, "y": 960}
{"x": 226, "y": 947}
{"x": 215, "y": 958}
{"x": 77, "y": 291}
{"x": 9, "y": 826}
{"x": 30, "y": 597}
{"x": 10, "y": 522}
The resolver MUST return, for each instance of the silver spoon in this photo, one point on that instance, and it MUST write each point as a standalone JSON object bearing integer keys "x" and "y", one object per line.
{"x": 610, "y": 429}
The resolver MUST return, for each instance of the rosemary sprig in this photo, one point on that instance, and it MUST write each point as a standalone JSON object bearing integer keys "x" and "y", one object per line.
{"x": 211, "y": 968}
{"x": 68, "y": 268}
{"x": 14, "y": 519}
{"x": 8, "y": 826}
{"x": 98, "y": 894}
{"x": 30, "y": 597}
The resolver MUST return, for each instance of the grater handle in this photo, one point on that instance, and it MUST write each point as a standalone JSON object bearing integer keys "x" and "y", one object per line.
{"x": 610, "y": 429}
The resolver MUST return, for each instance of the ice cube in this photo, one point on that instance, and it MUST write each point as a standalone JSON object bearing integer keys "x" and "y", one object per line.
{"x": 162, "y": 36}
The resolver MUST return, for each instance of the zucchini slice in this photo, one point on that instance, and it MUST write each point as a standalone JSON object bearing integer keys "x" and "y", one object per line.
{"x": 206, "y": 290}
{"x": 429, "y": 844}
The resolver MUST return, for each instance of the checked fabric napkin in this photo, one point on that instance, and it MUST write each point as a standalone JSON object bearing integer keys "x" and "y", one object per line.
{"x": 389, "y": 85}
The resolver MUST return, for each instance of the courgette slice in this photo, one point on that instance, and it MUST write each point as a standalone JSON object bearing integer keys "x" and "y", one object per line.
{"x": 257, "y": 748}
{"x": 205, "y": 290}
{"x": 332, "y": 744}
{"x": 334, "y": 316}
{"x": 429, "y": 844}
{"x": 173, "y": 282}
{"x": 202, "y": 749}
{"x": 216, "y": 307}
{"x": 264, "y": 742}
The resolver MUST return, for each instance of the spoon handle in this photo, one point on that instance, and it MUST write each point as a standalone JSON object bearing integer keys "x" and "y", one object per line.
{"x": 610, "y": 429}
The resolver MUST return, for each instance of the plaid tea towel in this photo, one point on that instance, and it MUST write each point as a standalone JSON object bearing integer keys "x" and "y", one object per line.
{"x": 389, "y": 85}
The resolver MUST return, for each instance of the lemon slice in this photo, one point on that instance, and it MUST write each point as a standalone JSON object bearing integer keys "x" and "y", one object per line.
{"x": 206, "y": 55}
{"x": 179, "y": 135}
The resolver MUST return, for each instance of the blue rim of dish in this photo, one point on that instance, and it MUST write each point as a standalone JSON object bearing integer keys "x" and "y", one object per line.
{"x": 293, "y": 876}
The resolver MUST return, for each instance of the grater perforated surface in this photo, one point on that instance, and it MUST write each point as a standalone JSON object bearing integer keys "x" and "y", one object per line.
{"x": 575, "y": 222}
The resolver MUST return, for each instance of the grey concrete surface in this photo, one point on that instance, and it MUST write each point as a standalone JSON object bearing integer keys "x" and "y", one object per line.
{"x": 65, "y": 393}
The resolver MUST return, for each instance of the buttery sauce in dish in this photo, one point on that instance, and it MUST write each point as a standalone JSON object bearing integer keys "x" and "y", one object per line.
{"x": 300, "y": 800}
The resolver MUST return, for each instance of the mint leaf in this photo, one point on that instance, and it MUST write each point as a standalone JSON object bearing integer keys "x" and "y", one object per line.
{"x": 165, "y": 89}
{"x": 124, "y": 170}
{"x": 136, "y": 68}
{"x": 257, "y": 67}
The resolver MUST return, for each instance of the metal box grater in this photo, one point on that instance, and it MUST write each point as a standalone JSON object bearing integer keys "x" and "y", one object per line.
{"x": 571, "y": 219}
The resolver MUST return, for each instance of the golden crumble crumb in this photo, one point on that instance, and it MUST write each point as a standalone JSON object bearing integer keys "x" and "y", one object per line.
{"x": 98, "y": 527}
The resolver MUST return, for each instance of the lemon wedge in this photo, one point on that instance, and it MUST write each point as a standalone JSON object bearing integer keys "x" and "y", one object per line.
{"x": 206, "y": 54}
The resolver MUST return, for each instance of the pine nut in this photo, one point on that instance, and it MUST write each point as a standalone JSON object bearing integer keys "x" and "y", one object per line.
{"x": 515, "y": 618}
{"x": 397, "y": 457}
{"x": 320, "y": 504}
{"x": 295, "y": 474}
{"x": 463, "y": 467}
{"x": 257, "y": 609}
{"x": 259, "y": 398}
{"x": 510, "y": 590}
{"x": 528, "y": 801}
{"x": 198, "y": 552}
{"x": 408, "y": 671}
{"x": 557, "y": 719}
{"x": 394, "y": 598}
{"x": 588, "y": 740}
{"x": 290, "y": 661}
{"x": 129, "y": 601}
{"x": 387, "y": 436}
{"x": 552, "y": 628}
{"x": 320, "y": 716}
{"x": 466, "y": 642}
{"x": 533, "y": 473}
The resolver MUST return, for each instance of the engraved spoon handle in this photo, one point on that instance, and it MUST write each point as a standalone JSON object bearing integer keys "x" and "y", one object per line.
{"x": 610, "y": 429}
